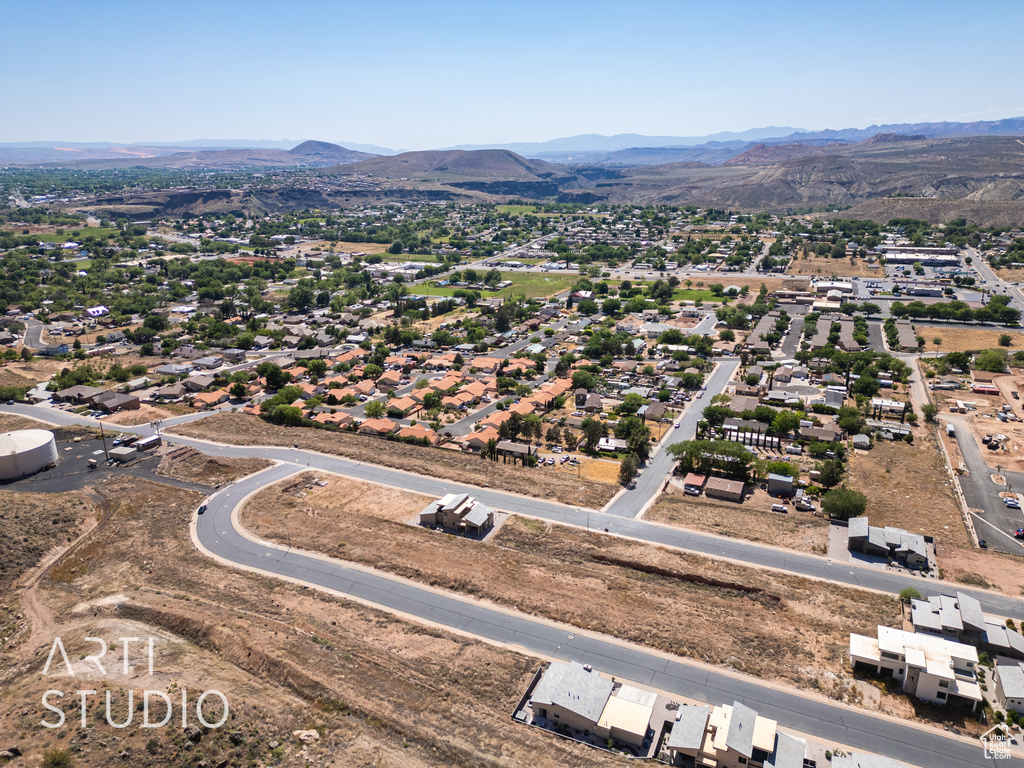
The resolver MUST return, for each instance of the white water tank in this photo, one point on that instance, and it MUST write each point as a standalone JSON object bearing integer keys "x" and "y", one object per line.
{"x": 25, "y": 452}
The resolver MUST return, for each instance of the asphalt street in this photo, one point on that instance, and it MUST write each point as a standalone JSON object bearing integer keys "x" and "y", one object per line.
{"x": 996, "y": 522}
{"x": 625, "y": 525}
{"x": 818, "y": 717}
{"x": 649, "y": 483}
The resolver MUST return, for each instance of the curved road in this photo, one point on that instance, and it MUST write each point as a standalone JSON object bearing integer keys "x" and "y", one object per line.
{"x": 218, "y": 533}
{"x": 738, "y": 550}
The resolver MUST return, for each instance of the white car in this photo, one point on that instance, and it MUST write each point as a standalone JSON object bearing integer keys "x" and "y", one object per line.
{"x": 1012, "y": 503}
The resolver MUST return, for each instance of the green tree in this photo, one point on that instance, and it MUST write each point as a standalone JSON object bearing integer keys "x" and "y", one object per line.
{"x": 593, "y": 431}
{"x": 317, "y": 367}
{"x": 374, "y": 409}
{"x": 274, "y": 376}
{"x": 1005, "y": 340}
{"x": 785, "y": 422}
{"x": 929, "y": 411}
{"x": 843, "y": 503}
{"x": 584, "y": 380}
{"x": 909, "y": 593}
{"x": 628, "y": 468}
{"x": 631, "y": 404}
{"x": 238, "y": 390}
{"x": 993, "y": 360}
{"x": 830, "y": 473}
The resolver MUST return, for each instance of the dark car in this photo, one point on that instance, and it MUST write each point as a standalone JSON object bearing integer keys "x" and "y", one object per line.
{"x": 201, "y": 510}
{"x": 1019, "y": 533}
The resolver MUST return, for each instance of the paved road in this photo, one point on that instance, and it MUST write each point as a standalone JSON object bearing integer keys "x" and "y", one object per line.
{"x": 996, "y": 522}
{"x": 791, "y": 343}
{"x": 33, "y": 334}
{"x": 819, "y": 717}
{"x": 632, "y": 501}
{"x": 741, "y": 551}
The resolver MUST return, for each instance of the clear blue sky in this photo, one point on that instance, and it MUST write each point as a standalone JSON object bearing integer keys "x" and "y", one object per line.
{"x": 418, "y": 75}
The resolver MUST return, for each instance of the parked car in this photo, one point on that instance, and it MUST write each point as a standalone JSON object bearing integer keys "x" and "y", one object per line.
{"x": 1012, "y": 503}
{"x": 557, "y": 449}
{"x": 691, "y": 491}
{"x": 201, "y": 509}
{"x": 1019, "y": 533}
{"x": 551, "y": 461}
{"x": 676, "y": 425}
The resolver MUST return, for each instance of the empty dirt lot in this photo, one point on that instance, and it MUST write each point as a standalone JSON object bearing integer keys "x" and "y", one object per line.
{"x": 750, "y": 520}
{"x": 433, "y": 462}
{"x": 378, "y": 691}
{"x": 772, "y": 625}
{"x": 823, "y": 266}
{"x": 907, "y": 487}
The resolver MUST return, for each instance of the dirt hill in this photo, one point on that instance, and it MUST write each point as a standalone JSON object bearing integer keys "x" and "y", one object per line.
{"x": 457, "y": 163}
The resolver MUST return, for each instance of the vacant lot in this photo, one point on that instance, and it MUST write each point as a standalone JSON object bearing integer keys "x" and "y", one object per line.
{"x": 964, "y": 339}
{"x": 907, "y": 487}
{"x": 750, "y": 520}
{"x": 771, "y": 625}
{"x": 824, "y": 266}
{"x": 378, "y": 691}
{"x": 239, "y": 429}
{"x": 190, "y": 464}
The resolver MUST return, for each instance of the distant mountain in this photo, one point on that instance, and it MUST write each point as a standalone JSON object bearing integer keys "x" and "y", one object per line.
{"x": 309, "y": 153}
{"x": 1007, "y": 127}
{"x": 593, "y": 142}
{"x": 595, "y": 148}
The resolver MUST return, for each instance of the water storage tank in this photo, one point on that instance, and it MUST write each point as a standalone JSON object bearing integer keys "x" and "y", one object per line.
{"x": 25, "y": 452}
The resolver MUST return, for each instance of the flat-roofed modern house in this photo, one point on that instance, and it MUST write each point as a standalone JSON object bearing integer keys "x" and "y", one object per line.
{"x": 458, "y": 512}
{"x": 929, "y": 667}
{"x": 1008, "y": 683}
{"x": 960, "y": 618}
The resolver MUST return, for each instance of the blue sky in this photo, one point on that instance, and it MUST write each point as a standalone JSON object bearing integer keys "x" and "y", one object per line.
{"x": 419, "y": 75}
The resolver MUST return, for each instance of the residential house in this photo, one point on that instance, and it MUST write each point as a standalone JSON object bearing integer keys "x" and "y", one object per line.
{"x": 1008, "y": 683}
{"x": 580, "y": 698}
{"x": 205, "y": 400}
{"x": 477, "y": 441}
{"x": 79, "y": 394}
{"x": 910, "y": 549}
{"x": 931, "y": 668}
{"x": 421, "y": 432}
{"x": 378, "y": 427}
{"x": 960, "y": 618}
{"x": 731, "y": 736}
{"x": 458, "y": 512}
{"x": 339, "y": 419}
{"x": 720, "y": 488}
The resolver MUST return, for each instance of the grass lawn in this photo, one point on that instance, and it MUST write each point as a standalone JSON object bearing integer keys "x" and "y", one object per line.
{"x": 530, "y": 284}
{"x": 69, "y": 234}
{"x": 519, "y": 210}
{"x": 694, "y": 294}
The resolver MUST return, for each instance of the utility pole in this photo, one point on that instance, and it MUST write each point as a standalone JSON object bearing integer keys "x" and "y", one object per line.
{"x": 104, "y": 439}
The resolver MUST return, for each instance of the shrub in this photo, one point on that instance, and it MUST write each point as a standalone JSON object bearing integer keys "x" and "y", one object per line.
{"x": 58, "y": 758}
